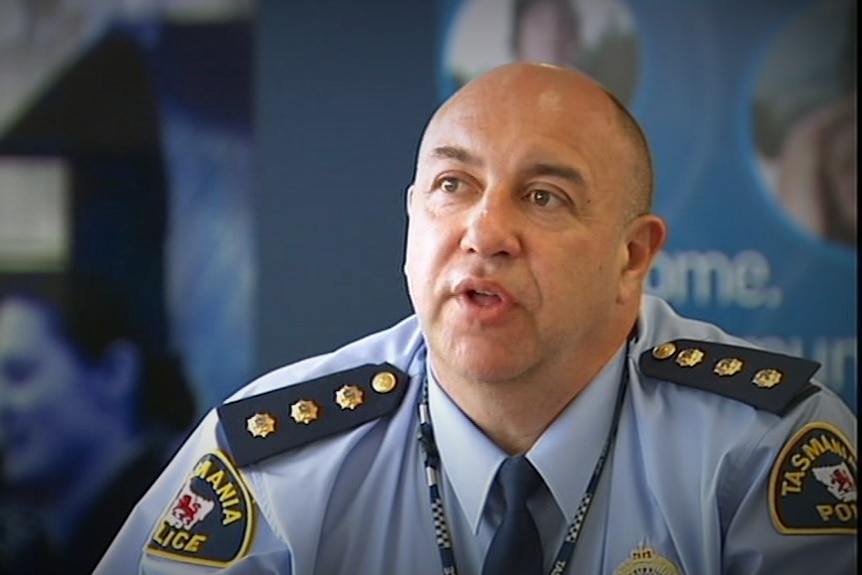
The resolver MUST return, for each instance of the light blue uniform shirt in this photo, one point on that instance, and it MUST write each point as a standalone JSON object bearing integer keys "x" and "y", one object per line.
{"x": 686, "y": 489}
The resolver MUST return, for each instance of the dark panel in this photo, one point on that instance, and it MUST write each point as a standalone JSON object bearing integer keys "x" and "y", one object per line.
{"x": 344, "y": 89}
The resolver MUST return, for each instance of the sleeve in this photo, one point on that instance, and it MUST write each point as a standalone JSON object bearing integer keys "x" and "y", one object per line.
{"x": 200, "y": 516}
{"x": 790, "y": 505}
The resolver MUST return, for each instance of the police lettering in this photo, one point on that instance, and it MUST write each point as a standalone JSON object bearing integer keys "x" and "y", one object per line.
{"x": 226, "y": 491}
{"x": 817, "y": 446}
{"x": 179, "y": 539}
{"x": 792, "y": 482}
{"x": 805, "y": 456}
{"x": 844, "y": 512}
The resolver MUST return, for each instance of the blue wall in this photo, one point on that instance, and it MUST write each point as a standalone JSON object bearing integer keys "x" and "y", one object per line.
{"x": 344, "y": 90}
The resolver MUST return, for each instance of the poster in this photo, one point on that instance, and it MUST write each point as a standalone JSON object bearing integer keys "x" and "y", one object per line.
{"x": 750, "y": 112}
{"x": 126, "y": 256}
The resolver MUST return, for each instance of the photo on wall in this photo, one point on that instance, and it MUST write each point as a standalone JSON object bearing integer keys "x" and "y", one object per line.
{"x": 596, "y": 36}
{"x": 126, "y": 278}
{"x": 751, "y": 120}
{"x": 804, "y": 115}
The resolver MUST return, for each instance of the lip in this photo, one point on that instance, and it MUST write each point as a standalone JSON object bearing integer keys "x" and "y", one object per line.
{"x": 467, "y": 286}
{"x": 486, "y": 312}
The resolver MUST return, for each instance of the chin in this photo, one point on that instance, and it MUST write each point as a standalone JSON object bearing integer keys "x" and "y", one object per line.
{"x": 481, "y": 354}
{"x": 484, "y": 374}
{"x": 487, "y": 365}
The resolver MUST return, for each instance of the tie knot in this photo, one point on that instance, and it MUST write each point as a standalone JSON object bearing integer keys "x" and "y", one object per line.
{"x": 518, "y": 479}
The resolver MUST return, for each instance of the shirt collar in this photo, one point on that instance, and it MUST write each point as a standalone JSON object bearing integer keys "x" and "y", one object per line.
{"x": 580, "y": 432}
{"x": 470, "y": 459}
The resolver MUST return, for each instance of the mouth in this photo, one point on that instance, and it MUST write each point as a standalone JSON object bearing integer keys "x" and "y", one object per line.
{"x": 482, "y": 297}
{"x": 483, "y": 294}
{"x": 484, "y": 303}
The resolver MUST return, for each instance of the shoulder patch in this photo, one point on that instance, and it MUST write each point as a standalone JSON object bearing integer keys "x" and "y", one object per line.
{"x": 264, "y": 425}
{"x": 770, "y": 381}
{"x": 210, "y": 521}
{"x": 812, "y": 487}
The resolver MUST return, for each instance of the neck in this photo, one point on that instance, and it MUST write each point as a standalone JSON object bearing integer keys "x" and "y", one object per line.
{"x": 513, "y": 416}
{"x": 514, "y": 413}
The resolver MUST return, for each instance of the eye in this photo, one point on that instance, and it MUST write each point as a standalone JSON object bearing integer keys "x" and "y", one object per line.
{"x": 544, "y": 198}
{"x": 450, "y": 185}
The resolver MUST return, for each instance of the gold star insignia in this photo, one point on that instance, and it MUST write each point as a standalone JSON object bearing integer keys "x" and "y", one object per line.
{"x": 689, "y": 357}
{"x": 304, "y": 411}
{"x": 767, "y": 378}
{"x": 260, "y": 424}
{"x": 349, "y": 397}
{"x": 728, "y": 366}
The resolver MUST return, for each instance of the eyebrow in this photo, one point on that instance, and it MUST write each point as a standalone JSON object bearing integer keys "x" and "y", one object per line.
{"x": 455, "y": 153}
{"x": 541, "y": 169}
{"x": 557, "y": 171}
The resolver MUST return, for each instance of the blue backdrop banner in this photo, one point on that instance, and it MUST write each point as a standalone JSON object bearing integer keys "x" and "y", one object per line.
{"x": 750, "y": 111}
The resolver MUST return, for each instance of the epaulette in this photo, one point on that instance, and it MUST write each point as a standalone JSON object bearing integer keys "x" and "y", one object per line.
{"x": 264, "y": 425}
{"x": 767, "y": 380}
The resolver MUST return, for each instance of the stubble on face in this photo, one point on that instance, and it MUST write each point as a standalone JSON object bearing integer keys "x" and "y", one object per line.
{"x": 546, "y": 108}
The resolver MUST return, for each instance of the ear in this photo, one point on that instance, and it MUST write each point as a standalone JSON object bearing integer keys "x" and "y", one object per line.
{"x": 409, "y": 199}
{"x": 645, "y": 236}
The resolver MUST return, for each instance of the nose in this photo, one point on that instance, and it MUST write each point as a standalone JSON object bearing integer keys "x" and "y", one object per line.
{"x": 492, "y": 229}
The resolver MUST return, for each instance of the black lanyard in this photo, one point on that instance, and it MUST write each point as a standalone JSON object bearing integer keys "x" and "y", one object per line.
{"x": 432, "y": 475}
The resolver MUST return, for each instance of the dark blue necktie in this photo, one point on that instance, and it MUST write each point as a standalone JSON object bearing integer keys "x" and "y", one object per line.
{"x": 516, "y": 548}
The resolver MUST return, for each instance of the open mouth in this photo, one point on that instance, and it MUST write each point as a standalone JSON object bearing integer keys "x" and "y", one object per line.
{"x": 483, "y": 298}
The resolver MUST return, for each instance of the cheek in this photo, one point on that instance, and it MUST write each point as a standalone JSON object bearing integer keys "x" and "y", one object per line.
{"x": 416, "y": 264}
{"x": 581, "y": 269}
{"x": 427, "y": 243}
{"x": 412, "y": 254}
{"x": 430, "y": 246}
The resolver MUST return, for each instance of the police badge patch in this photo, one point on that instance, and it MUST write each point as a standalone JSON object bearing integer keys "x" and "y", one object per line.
{"x": 812, "y": 488}
{"x": 209, "y": 522}
{"x": 645, "y": 560}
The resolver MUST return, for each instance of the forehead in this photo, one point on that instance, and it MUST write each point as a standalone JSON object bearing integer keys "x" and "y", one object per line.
{"x": 530, "y": 112}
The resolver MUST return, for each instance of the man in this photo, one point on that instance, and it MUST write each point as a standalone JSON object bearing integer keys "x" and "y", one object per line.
{"x": 81, "y": 434}
{"x": 627, "y": 439}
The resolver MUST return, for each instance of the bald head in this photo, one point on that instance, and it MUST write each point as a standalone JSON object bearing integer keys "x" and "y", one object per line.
{"x": 524, "y": 260}
{"x": 564, "y": 99}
